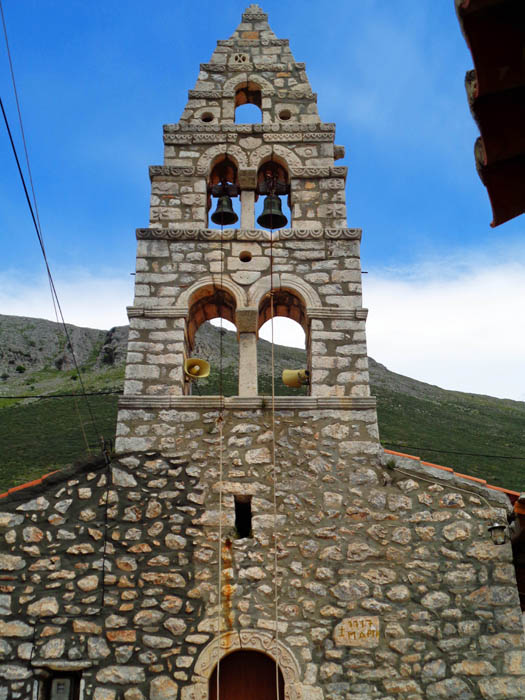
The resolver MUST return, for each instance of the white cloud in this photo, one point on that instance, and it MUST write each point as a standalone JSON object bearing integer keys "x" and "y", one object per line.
{"x": 93, "y": 301}
{"x": 455, "y": 326}
{"x": 458, "y": 325}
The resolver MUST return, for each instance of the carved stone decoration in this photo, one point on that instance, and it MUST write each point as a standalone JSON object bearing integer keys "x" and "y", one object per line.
{"x": 318, "y": 137}
{"x": 209, "y": 138}
{"x": 205, "y": 94}
{"x": 170, "y": 171}
{"x": 234, "y": 234}
{"x": 299, "y": 171}
{"x": 265, "y": 151}
{"x": 332, "y": 184}
{"x": 229, "y": 87}
{"x": 179, "y": 138}
{"x": 253, "y": 640}
{"x": 206, "y": 159}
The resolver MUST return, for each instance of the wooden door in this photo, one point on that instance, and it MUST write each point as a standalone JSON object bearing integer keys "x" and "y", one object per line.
{"x": 246, "y": 675}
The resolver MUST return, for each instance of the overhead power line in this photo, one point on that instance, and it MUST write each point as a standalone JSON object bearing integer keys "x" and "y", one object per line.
{"x": 36, "y": 220}
{"x": 60, "y": 396}
{"x": 451, "y": 452}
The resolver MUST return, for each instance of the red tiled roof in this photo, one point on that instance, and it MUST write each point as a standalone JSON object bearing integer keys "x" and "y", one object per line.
{"x": 513, "y": 495}
{"x": 20, "y": 487}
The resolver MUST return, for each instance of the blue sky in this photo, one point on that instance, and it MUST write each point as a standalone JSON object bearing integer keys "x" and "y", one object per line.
{"x": 97, "y": 80}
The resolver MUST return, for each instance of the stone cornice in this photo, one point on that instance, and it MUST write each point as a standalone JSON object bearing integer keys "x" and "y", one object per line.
{"x": 232, "y": 43}
{"x": 156, "y": 312}
{"x": 337, "y": 313}
{"x": 300, "y": 172}
{"x": 196, "y": 126}
{"x": 253, "y": 403}
{"x": 270, "y": 137}
{"x": 280, "y": 67}
{"x": 311, "y": 311}
{"x": 297, "y": 94}
{"x": 237, "y": 234}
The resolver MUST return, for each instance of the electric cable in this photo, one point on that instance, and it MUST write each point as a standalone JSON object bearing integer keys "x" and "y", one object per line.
{"x": 50, "y": 277}
{"x": 34, "y": 212}
{"x": 452, "y": 452}
{"x": 60, "y": 396}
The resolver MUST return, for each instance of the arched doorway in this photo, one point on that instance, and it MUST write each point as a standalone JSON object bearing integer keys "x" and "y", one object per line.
{"x": 246, "y": 675}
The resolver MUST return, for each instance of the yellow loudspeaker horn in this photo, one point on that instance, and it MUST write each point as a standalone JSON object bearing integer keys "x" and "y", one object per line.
{"x": 195, "y": 368}
{"x": 296, "y": 377}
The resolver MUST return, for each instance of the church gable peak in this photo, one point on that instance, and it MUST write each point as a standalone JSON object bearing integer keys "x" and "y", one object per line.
{"x": 253, "y": 65}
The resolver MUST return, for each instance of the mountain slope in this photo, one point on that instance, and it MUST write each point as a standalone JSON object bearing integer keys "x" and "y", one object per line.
{"x": 38, "y": 435}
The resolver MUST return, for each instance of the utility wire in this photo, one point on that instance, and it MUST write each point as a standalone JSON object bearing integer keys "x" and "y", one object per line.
{"x": 50, "y": 277}
{"x": 450, "y": 452}
{"x": 383, "y": 442}
{"x": 60, "y": 396}
{"x": 13, "y": 81}
{"x": 36, "y": 218}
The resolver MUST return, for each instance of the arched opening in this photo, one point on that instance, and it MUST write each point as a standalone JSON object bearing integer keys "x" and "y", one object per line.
{"x": 211, "y": 335}
{"x": 248, "y": 103}
{"x": 247, "y": 674}
{"x": 272, "y": 183}
{"x": 291, "y": 339}
{"x": 223, "y": 204}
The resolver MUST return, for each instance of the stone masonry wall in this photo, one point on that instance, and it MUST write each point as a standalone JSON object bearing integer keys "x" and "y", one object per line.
{"x": 325, "y": 271}
{"x": 389, "y": 586}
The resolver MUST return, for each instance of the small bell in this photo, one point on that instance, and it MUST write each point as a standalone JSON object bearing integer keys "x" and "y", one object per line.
{"x": 224, "y": 214}
{"x": 272, "y": 216}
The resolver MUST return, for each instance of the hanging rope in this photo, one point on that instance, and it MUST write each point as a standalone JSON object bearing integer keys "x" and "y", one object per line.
{"x": 220, "y": 423}
{"x": 274, "y": 479}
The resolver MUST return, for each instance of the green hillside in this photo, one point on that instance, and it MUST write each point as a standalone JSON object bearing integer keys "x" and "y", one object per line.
{"x": 39, "y": 435}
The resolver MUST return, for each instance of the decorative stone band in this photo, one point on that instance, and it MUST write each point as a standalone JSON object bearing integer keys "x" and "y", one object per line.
{"x": 264, "y": 42}
{"x": 237, "y": 234}
{"x": 248, "y": 66}
{"x": 337, "y": 313}
{"x": 241, "y": 403}
{"x": 156, "y": 312}
{"x": 247, "y": 128}
{"x": 304, "y": 94}
{"x": 217, "y": 137}
{"x": 300, "y": 172}
{"x": 311, "y": 312}
{"x": 249, "y": 16}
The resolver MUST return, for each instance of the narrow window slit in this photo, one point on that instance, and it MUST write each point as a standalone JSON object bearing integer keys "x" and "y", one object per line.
{"x": 243, "y": 516}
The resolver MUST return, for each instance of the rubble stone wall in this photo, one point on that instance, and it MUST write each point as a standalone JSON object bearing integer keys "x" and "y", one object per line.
{"x": 388, "y": 584}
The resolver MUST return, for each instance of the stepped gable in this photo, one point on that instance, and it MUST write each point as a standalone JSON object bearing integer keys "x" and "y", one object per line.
{"x": 265, "y": 546}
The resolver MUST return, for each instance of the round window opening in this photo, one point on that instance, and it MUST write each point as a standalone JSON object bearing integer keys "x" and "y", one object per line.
{"x": 245, "y": 256}
{"x": 207, "y": 117}
{"x": 285, "y": 115}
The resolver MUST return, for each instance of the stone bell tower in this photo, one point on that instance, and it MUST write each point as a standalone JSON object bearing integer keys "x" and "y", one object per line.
{"x": 251, "y": 492}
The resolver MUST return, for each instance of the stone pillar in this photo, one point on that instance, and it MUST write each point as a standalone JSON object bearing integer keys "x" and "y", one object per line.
{"x": 247, "y": 209}
{"x": 246, "y": 321}
{"x": 247, "y": 364}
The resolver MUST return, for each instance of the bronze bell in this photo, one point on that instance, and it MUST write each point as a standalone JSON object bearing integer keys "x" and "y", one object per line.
{"x": 224, "y": 214}
{"x": 272, "y": 216}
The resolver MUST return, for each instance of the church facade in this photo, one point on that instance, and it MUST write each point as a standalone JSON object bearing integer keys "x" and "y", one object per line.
{"x": 257, "y": 546}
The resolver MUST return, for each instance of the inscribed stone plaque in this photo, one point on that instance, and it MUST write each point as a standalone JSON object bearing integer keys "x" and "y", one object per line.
{"x": 357, "y": 632}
